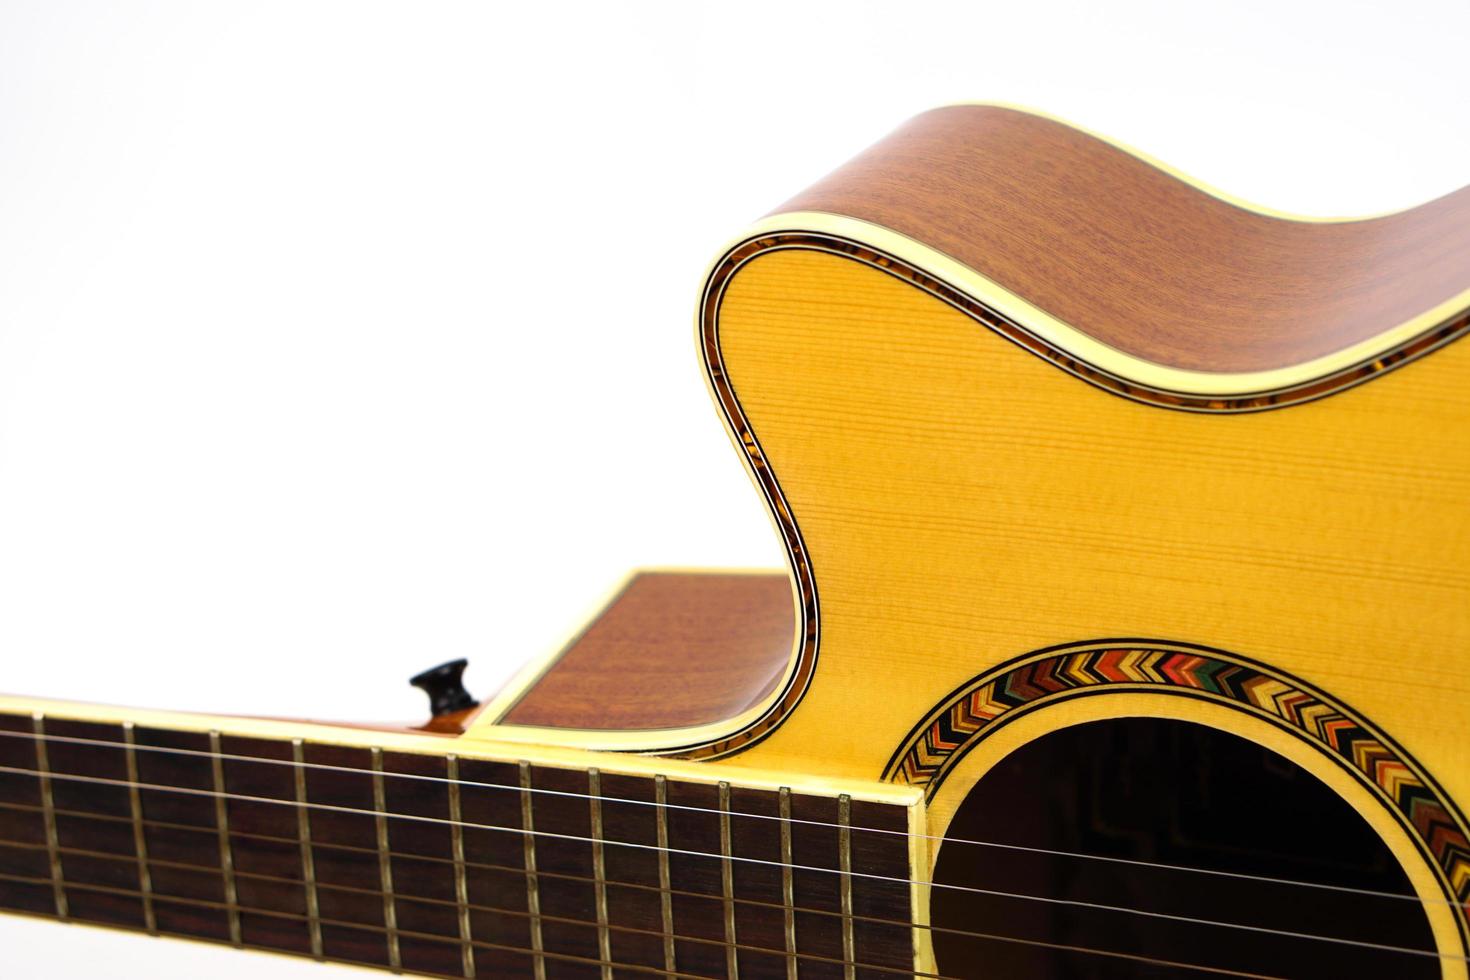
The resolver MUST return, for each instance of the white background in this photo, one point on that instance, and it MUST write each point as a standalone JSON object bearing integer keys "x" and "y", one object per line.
{"x": 337, "y": 340}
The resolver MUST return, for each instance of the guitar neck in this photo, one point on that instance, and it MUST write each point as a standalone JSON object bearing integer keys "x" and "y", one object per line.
{"x": 438, "y": 864}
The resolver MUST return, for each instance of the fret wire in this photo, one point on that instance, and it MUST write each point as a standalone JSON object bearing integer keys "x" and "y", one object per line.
{"x": 296, "y": 917}
{"x": 873, "y": 920}
{"x": 308, "y": 859}
{"x": 529, "y": 833}
{"x": 665, "y": 898}
{"x": 440, "y": 902}
{"x": 48, "y": 814}
{"x": 461, "y": 883}
{"x": 222, "y": 827}
{"x": 599, "y": 870}
{"x": 788, "y": 891}
{"x": 727, "y": 883}
{"x": 844, "y": 858}
{"x": 795, "y": 820}
{"x": 363, "y": 927}
{"x": 542, "y": 791}
{"x": 400, "y": 896}
{"x": 385, "y": 863}
{"x": 533, "y": 883}
{"x": 272, "y": 838}
{"x": 140, "y": 839}
{"x": 359, "y": 964}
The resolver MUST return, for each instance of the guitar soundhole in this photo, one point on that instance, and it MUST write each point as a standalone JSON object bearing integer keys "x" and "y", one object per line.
{"x": 1168, "y": 793}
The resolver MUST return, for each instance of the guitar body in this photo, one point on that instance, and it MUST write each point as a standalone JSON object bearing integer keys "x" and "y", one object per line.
{"x": 1124, "y": 521}
{"x": 1207, "y": 500}
{"x": 964, "y": 505}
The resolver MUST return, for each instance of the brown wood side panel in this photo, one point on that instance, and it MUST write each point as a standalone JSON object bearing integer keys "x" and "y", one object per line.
{"x": 1139, "y": 259}
{"x": 672, "y": 650}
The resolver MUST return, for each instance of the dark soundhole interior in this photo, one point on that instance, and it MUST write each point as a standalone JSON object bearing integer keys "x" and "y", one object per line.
{"x": 1175, "y": 793}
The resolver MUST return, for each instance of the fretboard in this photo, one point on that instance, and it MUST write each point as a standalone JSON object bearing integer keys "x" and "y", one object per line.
{"x": 445, "y": 866}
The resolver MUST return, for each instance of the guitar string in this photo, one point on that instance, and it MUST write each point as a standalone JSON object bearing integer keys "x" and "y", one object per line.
{"x": 454, "y": 940}
{"x": 568, "y": 877}
{"x": 660, "y": 971}
{"x": 1051, "y": 852}
{"x": 565, "y": 876}
{"x": 363, "y": 927}
{"x": 995, "y": 893}
{"x": 586, "y": 879}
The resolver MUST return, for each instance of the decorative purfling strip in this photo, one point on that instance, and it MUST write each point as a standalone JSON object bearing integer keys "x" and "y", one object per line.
{"x": 222, "y": 826}
{"x": 140, "y": 839}
{"x": 533, "y": 889}
{"x": 788, "y": 884}
{"x": 844, "y": 864}
{"x": 461, "y": 883}
{"x": 48, "y": 812}
{"x": 308, "y": 860}
{"x": 665, "y": 894}
{"x": 385, "y": 863}
{"x": 727, "y": 884}
{"x": 1453, "y": 327}
{"x": 599, "y": 872}
{"x": 1046, "y": 677}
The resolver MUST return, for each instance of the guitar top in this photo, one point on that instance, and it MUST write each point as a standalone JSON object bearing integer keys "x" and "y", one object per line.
{"x": 1125, "y": 632}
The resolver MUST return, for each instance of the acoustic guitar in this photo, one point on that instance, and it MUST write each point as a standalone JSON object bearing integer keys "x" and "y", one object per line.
{"x": 1125, "y": 633}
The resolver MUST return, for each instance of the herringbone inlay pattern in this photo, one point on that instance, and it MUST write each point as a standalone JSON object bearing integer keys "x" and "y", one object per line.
{"x": 1046, "y": 677}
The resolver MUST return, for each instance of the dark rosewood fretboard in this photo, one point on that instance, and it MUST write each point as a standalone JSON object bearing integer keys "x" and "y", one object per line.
{"x": 482, "y": 869}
